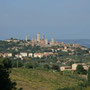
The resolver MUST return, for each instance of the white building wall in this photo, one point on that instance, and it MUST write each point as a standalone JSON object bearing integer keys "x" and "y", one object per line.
{"x": 24, "y": 54}
{"x": 30, "y": 55}
{"x": 74, "y": 66}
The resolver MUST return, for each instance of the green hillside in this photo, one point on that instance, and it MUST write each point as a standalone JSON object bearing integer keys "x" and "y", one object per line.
{"x": 32, "y": 79}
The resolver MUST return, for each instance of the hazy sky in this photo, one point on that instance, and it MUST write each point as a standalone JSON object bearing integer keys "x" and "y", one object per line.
{"x": 62, "y": 19}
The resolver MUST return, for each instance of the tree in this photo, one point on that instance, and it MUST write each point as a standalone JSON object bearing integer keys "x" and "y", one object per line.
{"x": 46, "y": 66}
{"x": 80, "y": 70}
{"x": 5, "y": 82}
{"x": 7, "y": 63}
{"x": 89, "y": 76}
{"x": 17, "y": 63}
{"x": 28, "y": 65}
{"x": 55, "y": 67}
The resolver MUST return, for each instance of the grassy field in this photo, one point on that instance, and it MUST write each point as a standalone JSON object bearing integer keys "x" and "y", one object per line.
{"x": 31, "y": 79}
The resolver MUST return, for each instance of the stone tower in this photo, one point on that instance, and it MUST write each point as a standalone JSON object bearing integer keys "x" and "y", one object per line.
{"x": 26, "y": 38}
{"x": 38, "y": 37}
{"x": 46, "y": 41}
{"x": 53, "y": 40}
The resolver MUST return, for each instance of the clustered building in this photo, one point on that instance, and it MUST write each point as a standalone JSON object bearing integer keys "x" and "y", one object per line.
{"x": 42, "y": 41}
{"x": 35, "y": 55}
{"x": 74, "y": 67}
{"x": 5, "y": 54}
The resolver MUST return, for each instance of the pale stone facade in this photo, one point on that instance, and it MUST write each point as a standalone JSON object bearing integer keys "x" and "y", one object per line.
{"x": 24, "y": 54}
{"x": 30, "y": 54}
{"x": 6, "y": 54}
{"x": 74, "y": 66}
{"x": 63, "y": 68}
{"x": 40, "y": 55}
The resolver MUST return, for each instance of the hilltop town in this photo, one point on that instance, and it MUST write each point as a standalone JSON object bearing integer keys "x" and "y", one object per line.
{"x": 63, "y": 54}
{"x": 39, "y": 58}
{"x": 44, "y": 44}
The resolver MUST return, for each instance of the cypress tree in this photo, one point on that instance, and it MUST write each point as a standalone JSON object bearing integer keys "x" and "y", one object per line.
{"x": 5, "y": 81}
{"x": 89, "y": 76}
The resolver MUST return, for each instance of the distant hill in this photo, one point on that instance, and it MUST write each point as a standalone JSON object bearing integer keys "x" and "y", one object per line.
{"x": 83, "y": 42}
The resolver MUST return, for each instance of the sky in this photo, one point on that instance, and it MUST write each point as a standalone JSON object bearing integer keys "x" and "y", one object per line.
{"x": 61, "y": 19}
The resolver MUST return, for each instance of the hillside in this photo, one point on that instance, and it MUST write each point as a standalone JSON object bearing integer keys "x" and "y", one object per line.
{"x": 30, "y": 79}
{"x": 83, "y": 42}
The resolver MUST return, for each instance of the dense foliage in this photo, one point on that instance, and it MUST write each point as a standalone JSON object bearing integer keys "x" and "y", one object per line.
{"x": 89, "y": 77}
{"x": 80, "y": 70}
{"x": 5, "y": 82}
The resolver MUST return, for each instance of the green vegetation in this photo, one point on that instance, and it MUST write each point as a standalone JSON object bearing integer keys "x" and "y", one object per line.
{"x": 35, "y": 79}
{"x": 81, "y": 56}
{"x": 5, "y": 81}
{"x": 80, "y": 70}
{"x": 32, "y": 75}
{"x": 89, "y": 77}
{"x": 43, "y": 73}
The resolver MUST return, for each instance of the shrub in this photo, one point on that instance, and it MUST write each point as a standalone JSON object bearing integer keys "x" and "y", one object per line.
{"x": 80, "y": 70}
{"x": 5, "y": 82}
{"x": 28, "y": 65}
{"x": 55, "y": 67}
{"x": 89, "y": 76}
{"x": 46, "y": 66}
